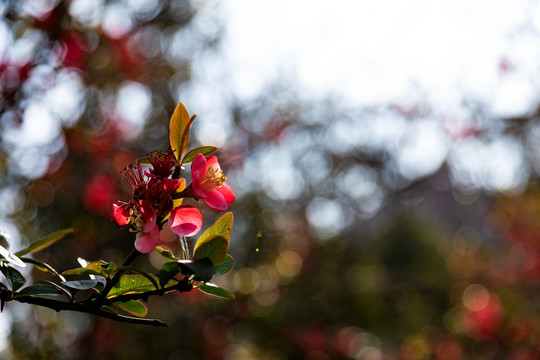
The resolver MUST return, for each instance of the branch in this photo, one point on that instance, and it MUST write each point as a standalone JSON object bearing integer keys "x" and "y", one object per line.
{"x": 81, "y": 307}
{"x": 95, "y": 307}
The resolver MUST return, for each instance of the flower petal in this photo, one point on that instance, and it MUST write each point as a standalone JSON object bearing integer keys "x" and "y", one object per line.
{"x": 121, "y": 214}
{"x": 212, "y": 161}
{"x": 185, "y": 220}
{"x": 215, "y": 200}
{"x": 148, "y": 213}
{"x": 198, "y": 168}
{"x": 227, "y": 193}
{"x": 145, "y": 242}
{"x": 170, "y": 185}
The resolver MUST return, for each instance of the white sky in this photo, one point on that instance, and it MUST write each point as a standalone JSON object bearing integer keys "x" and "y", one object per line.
{"x": 441, "y": 53}
{"x": 376, "y": 51}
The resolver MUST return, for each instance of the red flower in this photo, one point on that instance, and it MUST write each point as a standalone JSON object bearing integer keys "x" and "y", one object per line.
{"x": 208, "y": 183}
{"x": 121, "y": 213}
{"x": 185, "y": 220}
{"x": 162, "y": 164}
{"x": 98, "y": 193}
{"x": 152, "y": 199}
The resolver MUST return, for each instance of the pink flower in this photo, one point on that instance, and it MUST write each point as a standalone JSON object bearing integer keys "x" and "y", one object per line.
{"x": 145, "y": 220}
{"x": 185, "y": 220}
{"x": 208, "y": 183}
{"x": 145, "y": 242}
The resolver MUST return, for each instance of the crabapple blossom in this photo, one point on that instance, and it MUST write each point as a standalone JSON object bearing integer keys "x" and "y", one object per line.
{"x": 208, "y": 183}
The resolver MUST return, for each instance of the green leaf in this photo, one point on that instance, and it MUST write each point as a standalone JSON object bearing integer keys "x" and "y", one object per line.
{"x": 202, "y": 269}
{"x": 214, "y": 248}
{"x": 133, "y": 307}
{"x": 15, "y": 279}
{"x": 3, "y": 287}
{"x": 81, "y": 271}
{"x": 167, "y": 254}
{"x": 60, "y": 288}
{"x": 39, "y": 290}
{"x": 82, "y": 284}
{"x": 222, "y": 226}
{"x": 213, "y": 289}
{"x": 205, "y": 150}
{"x": 168, "y": 271}
{"x": 133, "y": 284}
{"x": 179, "y": 130}
{"x": 225, "y": 267}
{"x": 43, "y": 267}
{"x": 99, "y": 267}
{"x": 150, "y": 277}
{"x": 218, "y": 249}
{"x": 45, "y": 242}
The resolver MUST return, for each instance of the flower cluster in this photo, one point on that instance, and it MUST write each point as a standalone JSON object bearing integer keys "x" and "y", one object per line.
{"x": 157, "y": 197}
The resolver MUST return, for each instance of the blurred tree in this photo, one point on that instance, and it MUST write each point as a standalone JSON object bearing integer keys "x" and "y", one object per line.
{"x": 359, "y": 233}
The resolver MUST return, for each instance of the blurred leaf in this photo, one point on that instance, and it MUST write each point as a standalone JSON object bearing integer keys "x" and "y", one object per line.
{"x": 205, "y": 150}
{"x": 213, "y": 289}
{"x": 214, "y": 248}
{"x": 3, "y": 287}
{"x": 45, "y": 242}
{"x": 43, "y": 267}
{"x": 109, "y": 308}
{"x": 167, "y": 254}
{"x": 40, "y": 290}
{"x": 143, "y": 160}
{"x": 134, "y": 307}
{"x": 225, "y": 267}
{"x": 179, "y": 130}
{"x": 15, "y": 279}
{"x": 202, "y": 269}
{"x": 133, "y": 284}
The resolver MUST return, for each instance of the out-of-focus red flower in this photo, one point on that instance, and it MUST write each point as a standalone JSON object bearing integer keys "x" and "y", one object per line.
{"x": 74, "y": 51}
{"x": 485, "y": 323}
{"x": 98, "y": 193}
{"x": 208, "y": 183}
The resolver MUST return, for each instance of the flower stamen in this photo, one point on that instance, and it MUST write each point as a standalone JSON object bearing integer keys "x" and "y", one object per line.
{"x": 133, "y": 175}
